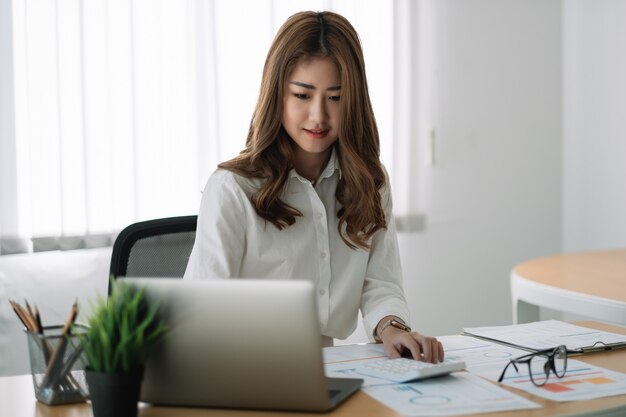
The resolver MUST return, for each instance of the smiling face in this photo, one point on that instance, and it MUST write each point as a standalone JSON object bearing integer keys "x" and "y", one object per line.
{"x": 311, "y": 109}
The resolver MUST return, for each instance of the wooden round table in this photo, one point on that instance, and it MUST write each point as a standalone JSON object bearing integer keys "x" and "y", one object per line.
{"x": 591, "y": 284}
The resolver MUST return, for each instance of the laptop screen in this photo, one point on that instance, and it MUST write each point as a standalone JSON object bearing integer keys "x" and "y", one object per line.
{"x": 238, "y": 343}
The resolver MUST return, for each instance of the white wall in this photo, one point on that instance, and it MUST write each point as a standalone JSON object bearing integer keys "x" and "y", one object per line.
{"x": 594, "y": 141}
{"x": 495, "y": 188}
{"x": 530, "y": 152}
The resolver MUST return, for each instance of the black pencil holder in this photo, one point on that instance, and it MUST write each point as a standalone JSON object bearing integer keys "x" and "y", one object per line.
{"x": 57, "y": 366}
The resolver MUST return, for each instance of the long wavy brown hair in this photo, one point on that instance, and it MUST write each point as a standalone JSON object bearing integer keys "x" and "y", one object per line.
{"x": 268, "y": 153}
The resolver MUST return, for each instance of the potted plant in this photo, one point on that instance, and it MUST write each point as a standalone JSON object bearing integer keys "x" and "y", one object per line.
{"x": 121, "y": 333}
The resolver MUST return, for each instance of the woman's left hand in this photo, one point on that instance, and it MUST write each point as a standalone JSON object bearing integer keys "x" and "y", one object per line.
{"x": 423, "y": 348}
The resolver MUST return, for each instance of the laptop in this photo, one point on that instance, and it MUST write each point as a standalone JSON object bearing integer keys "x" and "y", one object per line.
{"x": 239, "y": 343}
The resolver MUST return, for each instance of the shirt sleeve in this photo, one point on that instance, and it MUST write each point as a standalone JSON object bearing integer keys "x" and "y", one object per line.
{"x": 220, "y": 234}
{"x": 383, "y": 294}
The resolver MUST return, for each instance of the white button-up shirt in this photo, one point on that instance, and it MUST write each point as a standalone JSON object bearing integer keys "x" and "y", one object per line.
{"x": 233, "y": 241}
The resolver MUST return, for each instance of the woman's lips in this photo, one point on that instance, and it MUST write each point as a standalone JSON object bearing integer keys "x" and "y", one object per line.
{"x": 316, "y": 133}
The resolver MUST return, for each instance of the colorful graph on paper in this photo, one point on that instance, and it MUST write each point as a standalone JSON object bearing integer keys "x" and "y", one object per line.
{"x": 581, "y": 382}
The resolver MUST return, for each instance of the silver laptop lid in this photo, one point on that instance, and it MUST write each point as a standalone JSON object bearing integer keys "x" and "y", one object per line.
{"x": 236, "y": 343}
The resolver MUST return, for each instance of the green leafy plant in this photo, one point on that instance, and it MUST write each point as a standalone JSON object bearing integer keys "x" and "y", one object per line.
{"x": 121, "y": 330}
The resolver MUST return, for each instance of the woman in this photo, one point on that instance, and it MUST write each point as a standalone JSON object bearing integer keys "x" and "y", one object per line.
{"x": 308, "y": 197}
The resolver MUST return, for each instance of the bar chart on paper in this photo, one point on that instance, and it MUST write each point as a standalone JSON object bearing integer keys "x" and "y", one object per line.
{"x": 582, "y": 381}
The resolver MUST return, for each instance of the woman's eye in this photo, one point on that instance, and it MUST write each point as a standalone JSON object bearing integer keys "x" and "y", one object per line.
{"x": 334, "y": 98}
{"x": 301, "y": 96}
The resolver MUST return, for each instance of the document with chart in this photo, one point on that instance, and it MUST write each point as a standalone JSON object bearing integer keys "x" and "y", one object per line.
{"x": 581, "y": 381}
{"x": 454, "y": 394}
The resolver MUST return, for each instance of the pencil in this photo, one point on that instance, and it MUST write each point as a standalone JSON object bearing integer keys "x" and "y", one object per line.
{"x": 71, "y": 319}
{"x": 38, "y": 320}
{"x": 29, "y": 318}
{"x": 56, "y": 360}
{"x": 29, "y": 310}
{"x": 21, "y": 315}
{"x": 17, "y": 313}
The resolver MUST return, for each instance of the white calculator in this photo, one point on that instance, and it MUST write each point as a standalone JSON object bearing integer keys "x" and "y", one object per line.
{"x": 405, "y": 370}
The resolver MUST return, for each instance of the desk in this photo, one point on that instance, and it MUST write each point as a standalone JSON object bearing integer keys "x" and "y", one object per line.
{"x": 591, "y": 284}
{"x": 17, "y": 399}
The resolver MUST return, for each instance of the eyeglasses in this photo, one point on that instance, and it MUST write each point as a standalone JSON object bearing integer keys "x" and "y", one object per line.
{"x": 540, "y": 364}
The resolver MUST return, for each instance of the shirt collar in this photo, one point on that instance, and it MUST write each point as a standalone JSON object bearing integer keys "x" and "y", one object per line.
{"x": 332, "y": 166}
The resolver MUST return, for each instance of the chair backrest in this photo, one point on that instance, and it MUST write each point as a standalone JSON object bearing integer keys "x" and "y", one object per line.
{"x": 154, "y": 248}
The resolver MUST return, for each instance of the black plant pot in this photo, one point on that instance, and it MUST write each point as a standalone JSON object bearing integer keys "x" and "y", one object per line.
{"x": 114, "y": 394}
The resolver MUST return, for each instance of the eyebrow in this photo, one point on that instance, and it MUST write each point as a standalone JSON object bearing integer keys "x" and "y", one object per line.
{"x": 312, "y": 87}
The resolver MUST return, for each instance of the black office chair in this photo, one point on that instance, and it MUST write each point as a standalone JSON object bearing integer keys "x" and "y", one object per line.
{"x": 154, "y": 248}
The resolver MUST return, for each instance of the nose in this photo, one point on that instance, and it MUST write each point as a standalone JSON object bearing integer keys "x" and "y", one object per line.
{"x": 318, "y": 112}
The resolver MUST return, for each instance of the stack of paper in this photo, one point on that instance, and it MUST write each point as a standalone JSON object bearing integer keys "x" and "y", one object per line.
{"x": 548, "y": 334}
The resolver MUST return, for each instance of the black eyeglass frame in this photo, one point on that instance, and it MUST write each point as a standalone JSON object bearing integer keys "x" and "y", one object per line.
{"x": 547, "y": 367}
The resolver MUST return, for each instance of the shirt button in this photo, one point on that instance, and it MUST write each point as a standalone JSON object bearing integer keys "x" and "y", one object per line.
{"x": 323, "y": 254}
{"x": 322, "y": 291}
{"x": 319, "y": 215}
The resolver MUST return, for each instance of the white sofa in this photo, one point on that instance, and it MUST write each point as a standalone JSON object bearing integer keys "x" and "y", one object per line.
{"x": 51, "y": 281}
